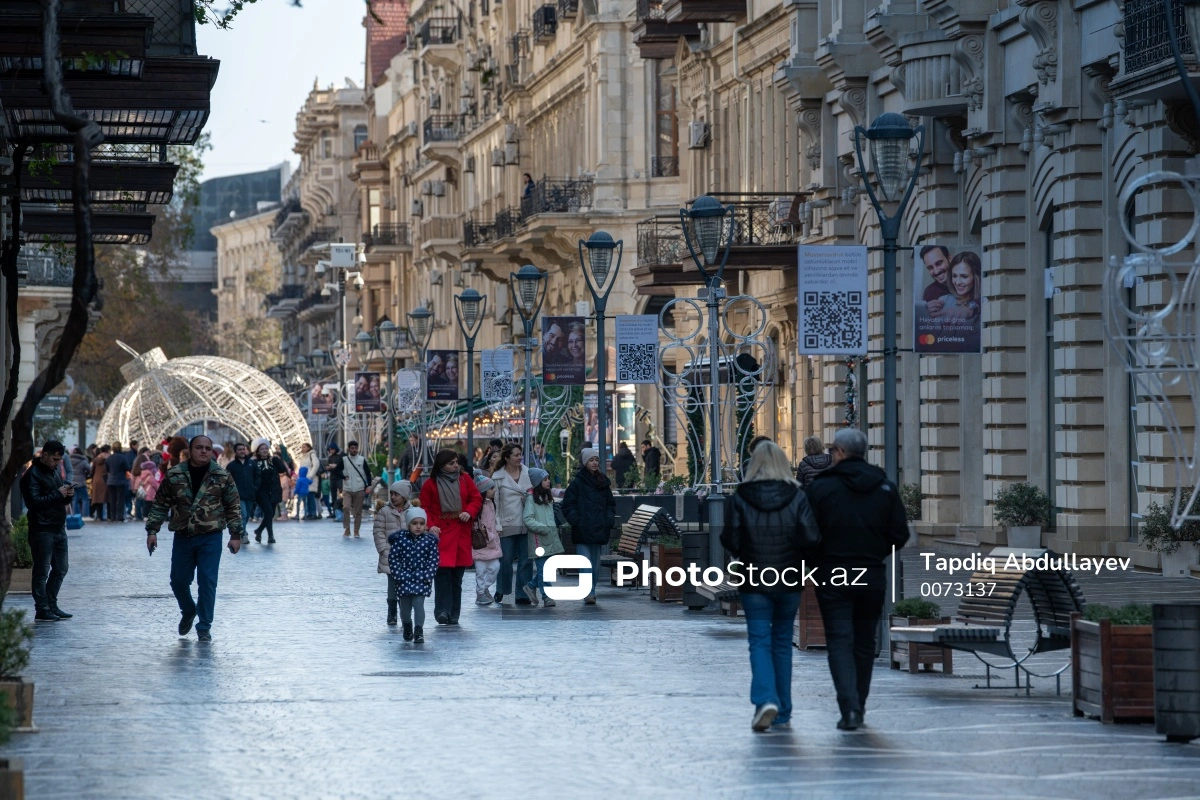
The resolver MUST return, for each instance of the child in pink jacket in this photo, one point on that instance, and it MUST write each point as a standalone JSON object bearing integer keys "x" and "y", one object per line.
{"x": 487, "y": 559}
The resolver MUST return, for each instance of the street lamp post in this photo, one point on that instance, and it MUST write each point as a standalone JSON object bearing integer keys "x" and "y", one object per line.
{"x": 704, "y": 228}
{"x": 469, "y": 307}
{"x": 391, "y": 340}
{"x": 420, "y": 326}
{"x": 890, "y": 138}
{"x": 601, "y": 275}
{"x": 528, "y": 287}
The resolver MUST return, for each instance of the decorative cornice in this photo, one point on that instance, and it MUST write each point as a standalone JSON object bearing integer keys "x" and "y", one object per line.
{"x": 1040, "y": 20}
{"x": 968, "y": 54}
{"x": 809, "y": 121}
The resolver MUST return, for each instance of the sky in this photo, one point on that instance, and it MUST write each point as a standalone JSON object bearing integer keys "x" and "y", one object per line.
{"x": 268, "y": 62}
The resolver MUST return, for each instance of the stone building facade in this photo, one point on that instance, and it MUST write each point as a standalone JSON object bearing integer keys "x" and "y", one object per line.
{"x": 248, "y": 268}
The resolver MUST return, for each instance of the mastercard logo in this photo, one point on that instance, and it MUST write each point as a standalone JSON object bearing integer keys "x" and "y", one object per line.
{"x": 926, "y": 338}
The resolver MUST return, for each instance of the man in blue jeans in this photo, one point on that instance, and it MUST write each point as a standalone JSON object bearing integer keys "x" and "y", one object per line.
{"x": 246, "y": 479}
{"x": 861, "y": 518}
{"x": 203, "y": 501}
{"x": 46, "y": 497}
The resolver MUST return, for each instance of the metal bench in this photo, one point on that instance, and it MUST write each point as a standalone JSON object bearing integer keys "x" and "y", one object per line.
{"x": 636, "y": 531}
{"x": 984, "y": 620}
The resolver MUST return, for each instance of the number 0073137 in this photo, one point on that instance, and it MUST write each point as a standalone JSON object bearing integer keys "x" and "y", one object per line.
{"x": 956, "y": 589}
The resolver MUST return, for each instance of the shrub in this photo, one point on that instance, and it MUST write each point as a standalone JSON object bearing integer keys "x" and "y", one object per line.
{"x": 916, "y": 607}
{"x": 1157, "y": 533}
{"x": 1128, "y": 614}
{"x": 20, "y": 540}
{"x": 911, "y": 495}
{"x": 15, "y": 638}
{"x": 674, "y": 484}
{"x": 1020, "y": 504}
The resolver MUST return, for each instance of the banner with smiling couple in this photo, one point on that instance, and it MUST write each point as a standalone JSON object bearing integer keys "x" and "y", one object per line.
{"x": 948, "y": 299}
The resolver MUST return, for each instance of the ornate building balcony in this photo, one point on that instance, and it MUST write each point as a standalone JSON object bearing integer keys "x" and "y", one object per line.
{"x": 557, "y": 196}
{"x": 284, "y": 302}
{"x": 655, "y": 37}
{"x": 43, "y": 270}
{"x": 388, "y": 235}
{"x": 441, "y": 235}
{"x": 664, "y": 167}
{"x": 567, "y": 9}
{"x": 442, "y": 133}
{"x": 930, "y": 76}
{"x": 315, "y": 307}
{"x": 53, "y": 226}
{"x": 1147, "y": 63}
{"x": 288, "y": 221}
{"x": 705, "y": 10}
{"x": 478, "y": 233}
{"x": 439, "y": 40}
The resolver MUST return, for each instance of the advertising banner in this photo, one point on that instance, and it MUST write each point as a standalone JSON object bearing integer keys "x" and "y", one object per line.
{"x": 366, "y": 393}
{"x": 833, "y": 300}
{"x": 441, "y": 371}
{"x": 497, "y": 369}
{"x": 564, "y": 351}
{"x": 320, "y": 400}
{"x": 637, "y": 348}
{"x": 948, "y": 299}
{"x": 591, "y": 417}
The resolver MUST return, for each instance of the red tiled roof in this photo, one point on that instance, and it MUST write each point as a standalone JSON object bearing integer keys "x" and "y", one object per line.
{"x": 386, "y": 36}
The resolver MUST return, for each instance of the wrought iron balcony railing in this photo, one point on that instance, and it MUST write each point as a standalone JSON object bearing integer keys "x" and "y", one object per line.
{"x": 1147, "y": 42}
{"x": 664, "y": 167}
{"x": 291, "y": 207}
{"x": 317, "y": 236}
{"x": 567, "y": 9}
{"x": 557, "y": 196}
{"x": 389, "y": 234}
{"x": 444, "y": 128}
{"x": 438, "y": 30}
{"x": 508, "y": 222}
{"x": 650, "y": 9}
{"x": 289, "y": 291}
{"x": 477, "y": 233}
{"x": 660, "y": 242}
{"x": 545, "y": 23}
{"x": 44, "y": 271}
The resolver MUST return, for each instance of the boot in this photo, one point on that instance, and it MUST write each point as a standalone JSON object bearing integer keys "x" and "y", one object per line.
{"x": 391, "y": 615}
{"x": 408, "y": 631}
{"x": 418, "y": 635}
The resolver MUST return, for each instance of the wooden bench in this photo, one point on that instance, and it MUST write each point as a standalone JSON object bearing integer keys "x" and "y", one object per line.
{"x": 984, "y": 621}
{"x": 634, "y": 534}
{"x": 723, "y": 594}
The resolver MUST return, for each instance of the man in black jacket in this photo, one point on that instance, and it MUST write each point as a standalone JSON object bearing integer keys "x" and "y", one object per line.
{"x": 46, "y": 497}
{"x": 246, "y": 478}
{"x": 652, "y": 459}
{"x": 861, "y": 518}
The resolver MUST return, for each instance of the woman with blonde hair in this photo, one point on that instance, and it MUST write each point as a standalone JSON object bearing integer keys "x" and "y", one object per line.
{"x": 770, "y": 528}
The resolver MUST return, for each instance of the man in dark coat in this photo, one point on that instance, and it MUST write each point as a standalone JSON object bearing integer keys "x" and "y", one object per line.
{"x": 246, "y": 479}
{"x": 119, "y": 464}
{"x": 861, "y": 518}
{"x": 46, "y": 497}
{"x": 591, "y": 510}
{"x": 651, "y": 459}
{"x": 622, "y": 465}
{"x": 334, "y": 467}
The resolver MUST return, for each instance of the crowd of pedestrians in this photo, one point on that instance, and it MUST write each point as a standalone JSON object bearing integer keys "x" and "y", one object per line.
{"x": 500, "y": 517}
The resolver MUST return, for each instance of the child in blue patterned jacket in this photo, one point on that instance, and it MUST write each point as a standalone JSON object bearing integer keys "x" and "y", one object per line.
{"x": 413, "y": 560}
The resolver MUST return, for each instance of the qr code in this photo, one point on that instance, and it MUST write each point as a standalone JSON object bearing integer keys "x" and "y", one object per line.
{"x": 637, "y": 363}
{"x": 497, "y": 386}
{"x": 833, "y": 321}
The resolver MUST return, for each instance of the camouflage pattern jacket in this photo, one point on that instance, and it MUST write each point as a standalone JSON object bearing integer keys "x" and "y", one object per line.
{"x": 217, "y": 507}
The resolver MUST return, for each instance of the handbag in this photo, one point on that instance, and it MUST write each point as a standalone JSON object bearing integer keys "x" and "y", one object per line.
{"x": 74, "y": 522}
{"x": 479, "y": 536}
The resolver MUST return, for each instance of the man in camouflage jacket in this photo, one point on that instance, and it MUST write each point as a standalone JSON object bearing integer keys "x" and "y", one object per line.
{"x": 202, "y": 500}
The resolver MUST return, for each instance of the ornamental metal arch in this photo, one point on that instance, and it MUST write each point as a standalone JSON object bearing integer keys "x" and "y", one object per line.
{"x": 164, "y": 396}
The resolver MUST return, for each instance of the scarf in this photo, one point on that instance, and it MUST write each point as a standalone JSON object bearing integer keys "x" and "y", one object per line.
{"x": 448, "y": 495}
{"x": 596, "y": 479}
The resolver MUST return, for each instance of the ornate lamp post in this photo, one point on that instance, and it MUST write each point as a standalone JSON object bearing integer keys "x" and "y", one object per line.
{"x": 391, "y": 340}
{"x": 469, "y": 307}
{"x": 420, "y": 327}
{"x": 890, "y": 138}
{"x": 528, "y": 287}
{"x": 601, "y": 275}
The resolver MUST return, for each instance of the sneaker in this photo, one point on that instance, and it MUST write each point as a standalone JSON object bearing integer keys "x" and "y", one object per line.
{"x": 58, "y": 612}
{"x": 531, "y": 593}
{"x": 781, "y": 724}
{"x": 204, "y": 636}
{"x": 245, "y": 538}
{"x": 346, "y": 534}
{"x": 46, "y": 616}
{"x": 590, "y": 600}
{"x": 185, "y": 623}
{"x": 418, "y": 635}
{"x": 548, "y": 602}
{"x": 764, "y": 715}
{"x": 483, "y": 599}
{"x": 443, "y": 618}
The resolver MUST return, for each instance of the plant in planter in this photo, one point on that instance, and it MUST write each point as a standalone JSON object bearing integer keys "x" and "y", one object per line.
{"x": 912, "y": 612}
{"x": 1177, "y": 548}
{"x": 674, "y": 484}
{"x": 911, "y": 496}
{"x": 1112, "y": 663}
{"x": 22, "y": 575}
{"x": 16, "y": 693}
{"x": 1022, "y": 508}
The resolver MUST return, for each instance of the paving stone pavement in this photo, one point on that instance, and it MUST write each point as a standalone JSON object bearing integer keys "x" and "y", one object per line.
{"x": 306, "y": 693}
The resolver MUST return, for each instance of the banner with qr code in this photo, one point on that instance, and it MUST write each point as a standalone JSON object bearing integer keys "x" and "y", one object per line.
{"x": 947, "y": 299}
{"x": 496, "y": 367}
{"x": 637, "y": 348}
{"x": 833, "y": 300}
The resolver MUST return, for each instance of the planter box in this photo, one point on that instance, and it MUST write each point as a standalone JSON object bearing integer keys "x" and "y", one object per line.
{"x": 22, "y": 581}
{"x": 1177, "y": 671}
{"x": 1112, "y": 670}
{"x": 1177, "y": 564}
{"x": 664, "y": 558}
{"x": 12, "y": 779}
{"x": 1028, "y": 537}
{"x": 809, "y": 631}
{"x": 18, "y": 694}
{"x": 911, "y": 656}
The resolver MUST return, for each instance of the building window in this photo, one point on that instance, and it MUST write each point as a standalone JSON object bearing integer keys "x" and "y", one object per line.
{"x": 665, "y": 161}
{"x": 373, "y": 218}
{"x": 326, "y": 145}
{"x": 360, "y": 136}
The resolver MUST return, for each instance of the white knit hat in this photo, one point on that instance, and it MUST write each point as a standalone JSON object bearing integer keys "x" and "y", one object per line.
{"x": 259, "y": 442}
{"x": 588, "y": 454}
{"x": 402, "y": 488}
{"x": 415, "y": 513}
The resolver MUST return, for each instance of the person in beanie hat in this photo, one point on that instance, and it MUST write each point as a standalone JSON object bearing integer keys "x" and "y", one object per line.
{"x": 591, "y": 510}
{"x": 544, "y": 540}
{"x": 413, "y": 559}
{"x": 487, "y": 558}
{"x": 537, "y": 475}
{"x": 389, "y": 520}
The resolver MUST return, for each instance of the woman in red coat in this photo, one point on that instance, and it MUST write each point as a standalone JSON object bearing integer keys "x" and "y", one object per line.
{"x": 452, "y": 501}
